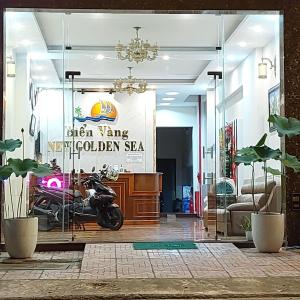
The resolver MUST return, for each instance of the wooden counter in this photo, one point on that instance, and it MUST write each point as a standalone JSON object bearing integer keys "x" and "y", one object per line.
{"x": 138, "y": 196}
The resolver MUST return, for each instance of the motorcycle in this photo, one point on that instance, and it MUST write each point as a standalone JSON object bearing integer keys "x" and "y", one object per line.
{"x": 56, "y": 207}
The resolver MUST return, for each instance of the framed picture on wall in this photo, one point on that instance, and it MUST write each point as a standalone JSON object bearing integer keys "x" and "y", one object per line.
{"x": 274, "y": 103}
{"x": 32, "y": 125}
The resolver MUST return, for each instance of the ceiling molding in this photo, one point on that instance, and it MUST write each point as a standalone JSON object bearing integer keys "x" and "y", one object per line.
{"x": 149, "y": 81}
{"x": 58, "y": 48}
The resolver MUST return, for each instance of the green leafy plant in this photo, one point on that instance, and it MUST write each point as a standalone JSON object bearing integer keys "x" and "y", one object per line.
{"x": 246, "y": 224}
{"x": 261, "y": 153}
{"x": 19, "y": 167}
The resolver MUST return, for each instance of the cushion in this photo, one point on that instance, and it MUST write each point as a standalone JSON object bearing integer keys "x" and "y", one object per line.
{"x": 259, "y": 188}
{"x": 259, "y": 199}
{"x": 244, "y": 206}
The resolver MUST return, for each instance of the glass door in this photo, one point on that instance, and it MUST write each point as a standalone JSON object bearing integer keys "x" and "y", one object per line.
{"x": 212, "y": 117}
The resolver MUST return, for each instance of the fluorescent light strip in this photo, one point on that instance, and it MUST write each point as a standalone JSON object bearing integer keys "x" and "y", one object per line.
{"x": 168, "y": 98}
{"x": 172, "y": 93}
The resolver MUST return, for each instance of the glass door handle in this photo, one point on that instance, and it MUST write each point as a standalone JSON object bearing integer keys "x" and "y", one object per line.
{"x": 210, "y": 150}
{"x": 210, "y": 177}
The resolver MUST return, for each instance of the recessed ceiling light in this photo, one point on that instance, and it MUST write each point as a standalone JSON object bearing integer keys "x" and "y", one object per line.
{"x": 168, "y": 98}
{"x": 100, "y": 57}
{"x": 44, "y": 78}
{"x": 26, "y": 43}
{"x": 164, "y": 104}
{"x": 257, "y": 28}
{"x": 166, "y": 57}
{"x": 172, "y": 93}
{"x": 242, "y": 44}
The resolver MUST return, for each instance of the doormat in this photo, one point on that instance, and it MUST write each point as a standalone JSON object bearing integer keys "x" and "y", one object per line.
{"x": 164, "y": 245}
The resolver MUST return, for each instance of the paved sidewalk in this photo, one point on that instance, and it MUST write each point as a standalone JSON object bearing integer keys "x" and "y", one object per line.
{"x": 117, "y": 271}
{"x": 129, "y": 289}
{"x": 120, "y": 260}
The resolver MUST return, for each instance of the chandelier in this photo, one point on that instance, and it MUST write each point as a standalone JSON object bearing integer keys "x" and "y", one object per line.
{"x": 130, "y": 84}
{"x": 137, "y": 50}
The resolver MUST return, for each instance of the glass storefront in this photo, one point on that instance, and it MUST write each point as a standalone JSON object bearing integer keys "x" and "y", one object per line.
{"x": 217, "y": 76}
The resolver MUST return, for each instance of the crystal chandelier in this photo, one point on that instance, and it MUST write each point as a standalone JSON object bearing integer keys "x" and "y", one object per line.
{"x": 130, "y": 84}
{"x": 137, "y": 50}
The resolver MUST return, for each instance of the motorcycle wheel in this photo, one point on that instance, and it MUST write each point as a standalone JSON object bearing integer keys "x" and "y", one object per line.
{"x": 112, "y": 218}
{"x": 44, "y": 222}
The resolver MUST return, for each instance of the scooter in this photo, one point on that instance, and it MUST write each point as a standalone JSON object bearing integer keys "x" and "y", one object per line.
{"x": 55, "y": 207}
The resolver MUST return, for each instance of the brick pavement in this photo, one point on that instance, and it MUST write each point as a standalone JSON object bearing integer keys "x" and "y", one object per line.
{"x": 120, "y": 260}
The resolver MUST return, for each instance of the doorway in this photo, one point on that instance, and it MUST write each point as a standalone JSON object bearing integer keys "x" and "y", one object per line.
{"x": 175, "y": 161}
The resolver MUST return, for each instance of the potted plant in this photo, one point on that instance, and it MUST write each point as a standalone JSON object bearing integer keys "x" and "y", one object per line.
{"x": 267, "y": 226}
{"x": 20, "y": 230}
{"x": 246, "y": 225}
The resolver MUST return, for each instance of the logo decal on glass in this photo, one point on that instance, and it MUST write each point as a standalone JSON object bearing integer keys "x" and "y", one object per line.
{"x": 102, "y": 110}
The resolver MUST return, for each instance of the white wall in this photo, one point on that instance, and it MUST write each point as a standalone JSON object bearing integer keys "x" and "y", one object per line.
{"x": 251, "y": 109}
{"x": 17, "y": 115}
{"x": 182, "y": 117}
{"x": 135, "y": 114}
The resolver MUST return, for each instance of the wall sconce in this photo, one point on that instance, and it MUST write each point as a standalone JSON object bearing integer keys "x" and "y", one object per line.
{"x": 263, "y": 67}
{"x": 10, "y": 67}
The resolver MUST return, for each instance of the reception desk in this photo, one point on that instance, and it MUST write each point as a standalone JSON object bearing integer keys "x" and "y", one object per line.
{"x": 138, "y": 197}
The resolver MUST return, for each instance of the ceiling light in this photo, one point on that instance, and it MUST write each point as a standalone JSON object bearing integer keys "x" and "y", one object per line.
{"x": 242, "y": 44}
{"x": 137, "y": 50}
{"x": 172, "y": 93}
{"x": 164, "y": 104}
{"x": 263, "y": 67}
{"x": 44, "y": 78}
{"x": 257, "y": 28}
{"x": 100, "y": 57}
{"x": 130, "y": 84}
{"x": 166, "y": 57}
{"x": 168, "y": 98}
{"x": 26, "y": 43}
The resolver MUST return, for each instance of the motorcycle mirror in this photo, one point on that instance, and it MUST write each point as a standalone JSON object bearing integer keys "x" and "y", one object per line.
{"x": 93, "y": 169}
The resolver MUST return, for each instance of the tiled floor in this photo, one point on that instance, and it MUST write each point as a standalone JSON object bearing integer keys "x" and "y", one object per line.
{"x": 179, "y": 229}
{"x": 120, "y": 260}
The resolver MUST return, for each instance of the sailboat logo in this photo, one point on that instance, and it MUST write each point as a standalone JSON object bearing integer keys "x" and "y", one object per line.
{"x": 102, "y": 110}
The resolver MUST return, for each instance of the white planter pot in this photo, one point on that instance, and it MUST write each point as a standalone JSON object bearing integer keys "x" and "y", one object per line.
{"x": 249, "y": 235}
{"x": 267, "y": 231}
{"x": 20, "y": 236}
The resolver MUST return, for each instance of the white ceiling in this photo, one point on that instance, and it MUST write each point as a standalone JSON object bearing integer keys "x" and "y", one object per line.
{"x": 189, "y": 41}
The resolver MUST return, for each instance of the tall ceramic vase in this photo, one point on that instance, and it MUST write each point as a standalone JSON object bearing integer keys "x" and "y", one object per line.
{"x": 20, "y": 236}
{"x": 268, "y": 231}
